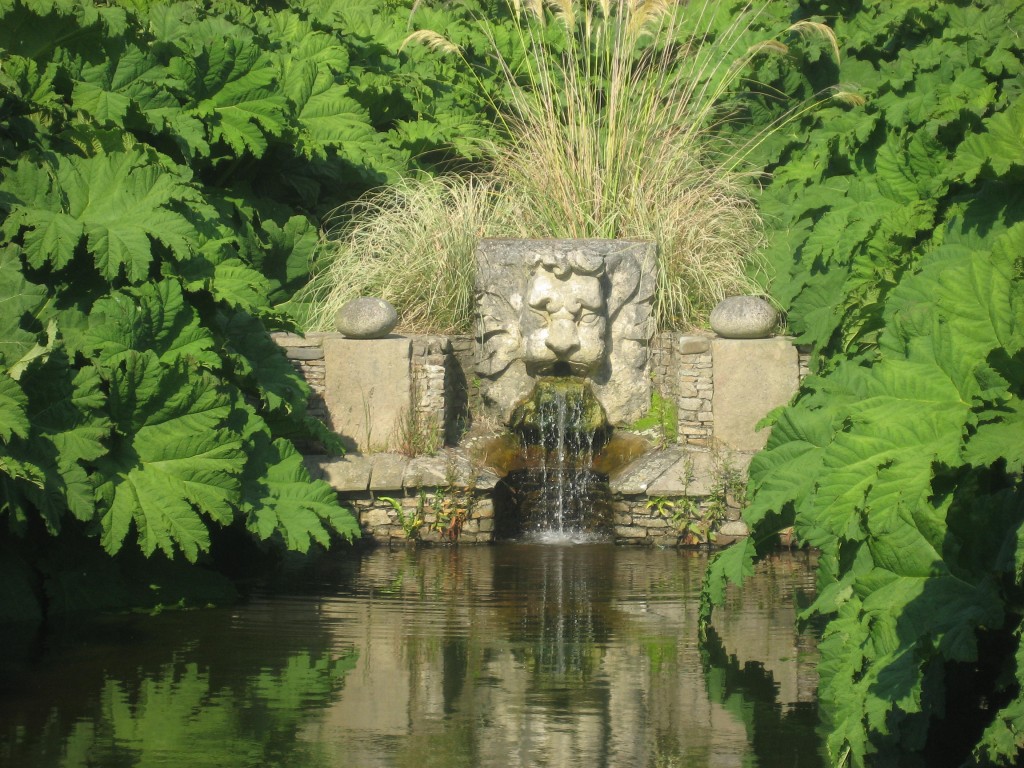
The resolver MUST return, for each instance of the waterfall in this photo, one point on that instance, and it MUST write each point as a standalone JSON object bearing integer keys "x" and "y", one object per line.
{"x": 556, "y": 494}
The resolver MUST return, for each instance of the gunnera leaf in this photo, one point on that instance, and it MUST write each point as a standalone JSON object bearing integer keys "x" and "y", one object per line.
{"x": 174, "y": 466}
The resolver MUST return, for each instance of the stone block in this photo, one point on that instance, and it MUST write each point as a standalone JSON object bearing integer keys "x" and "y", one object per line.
{"x": 687, "y": 389}
{"x": 387, "y": 472}
{"x": 286, "y": 340}
{"x": 426, "y": 471}
{"x": 636, "y": 476}
{"x": 693, "y": 345}
{"x": 751, "y": 377}
{"x": 630, "y": 532}
{"x": 304, "y": 353}
{"x": 368, "y": 391}
{"x": 351, "y": 473}
{"x": 375, "y": 518}
{"x": 734, "y": 528}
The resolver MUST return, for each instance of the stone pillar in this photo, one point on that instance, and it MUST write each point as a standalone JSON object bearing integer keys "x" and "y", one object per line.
{"x": 751, "y": 377}
{"x": 368, "y": 391}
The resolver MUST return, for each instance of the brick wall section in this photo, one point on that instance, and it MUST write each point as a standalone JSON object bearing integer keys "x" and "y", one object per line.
{"x": 306, "y": 354}
{"x": 462, "y": 388}
{"x": 681, "y": 371}
{"x": 429, "y": 369}
{"x": 803, "y": 352}
{"x": 662, "y": 366}
{"x": 693, "y": 369}
{"x": 638, "y": 524}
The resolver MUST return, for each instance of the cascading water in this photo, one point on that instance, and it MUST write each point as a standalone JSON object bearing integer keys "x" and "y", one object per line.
{"x": 553, "y": 492}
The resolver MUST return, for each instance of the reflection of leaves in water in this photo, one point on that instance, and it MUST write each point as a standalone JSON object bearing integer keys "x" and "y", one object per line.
{"x": 177, "y": 717}
{"x": 780, "y": 735}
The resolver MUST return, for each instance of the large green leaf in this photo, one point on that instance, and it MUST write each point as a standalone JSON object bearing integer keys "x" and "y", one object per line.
{"x": 19, "y": 299}
{"x": 106, "y": 91}
{"x": 237, "y": 98}
{"x": 13, "y": 419}
{"x": 280, "y": 498}
{"x": 122, "y": 204}
{"x": 155, "y": 317}
{"x": 175, "y": 465}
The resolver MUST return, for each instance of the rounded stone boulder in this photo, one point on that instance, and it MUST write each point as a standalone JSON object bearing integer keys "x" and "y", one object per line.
{"x": 366, "y": 318}
{"x": 744, "y": 317}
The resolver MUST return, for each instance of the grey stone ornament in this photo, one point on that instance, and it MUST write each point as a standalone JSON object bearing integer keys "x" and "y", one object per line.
{"x": 557, "y": 308}
{"x": 744, "y": 317}
{"x": 366, "y": 318}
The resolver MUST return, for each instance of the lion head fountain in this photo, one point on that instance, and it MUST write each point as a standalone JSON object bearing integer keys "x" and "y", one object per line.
{"x": 558, "y": 308}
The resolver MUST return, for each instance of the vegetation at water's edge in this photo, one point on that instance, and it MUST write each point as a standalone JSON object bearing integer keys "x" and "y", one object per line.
{"x": 899, "y": 225}
{"x": 163, "y": 168}
{"x": 162, "y": 175}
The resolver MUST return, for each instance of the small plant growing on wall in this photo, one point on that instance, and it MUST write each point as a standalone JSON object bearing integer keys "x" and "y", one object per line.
{"x": 418, "y": 436}
{"x": 684, "y": 513}
{"x": 453, "y": 503}
{"x": 411, "y": 522}
{"x": 661, "y": 420}
{"x": 696, "y": 523}
{"x": 729, "y": 488}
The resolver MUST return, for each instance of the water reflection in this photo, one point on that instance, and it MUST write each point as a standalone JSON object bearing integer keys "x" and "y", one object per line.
{"x": 513, "y": 655}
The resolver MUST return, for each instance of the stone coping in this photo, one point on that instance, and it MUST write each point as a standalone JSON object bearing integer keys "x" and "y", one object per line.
{"x": 357, "y": 473}
{"x": 670, "y": 472}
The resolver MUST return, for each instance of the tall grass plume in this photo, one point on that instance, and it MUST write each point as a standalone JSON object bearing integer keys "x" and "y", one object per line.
{"x": 611, "y": 129}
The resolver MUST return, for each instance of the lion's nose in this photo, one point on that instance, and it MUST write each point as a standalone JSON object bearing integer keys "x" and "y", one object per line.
{"x": 562, "y": 338}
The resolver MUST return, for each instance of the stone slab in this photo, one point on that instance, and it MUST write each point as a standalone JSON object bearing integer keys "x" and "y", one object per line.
{"x": 351, "y": 473}
{"x": 672, "y": 482}
{"x": 387, "y": 472}
{"x": 448, "y": 468}
{"x": 426, "y": 471}
{"x": 693, "y": 344}
{"x": 751, "y": 377}
{"x": 304, "y": 353}
{"x": 634, "y": 478}
{"x": 368, "y": 385}
{"x": 703, "y": 467}
{"x": 287, "y": 340}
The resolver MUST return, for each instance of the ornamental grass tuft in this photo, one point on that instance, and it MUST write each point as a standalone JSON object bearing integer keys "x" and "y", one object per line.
{"x": 610, "y": 128}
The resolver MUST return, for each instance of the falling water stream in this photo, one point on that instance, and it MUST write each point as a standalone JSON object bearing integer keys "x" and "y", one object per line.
{"x": 554, "y": 494}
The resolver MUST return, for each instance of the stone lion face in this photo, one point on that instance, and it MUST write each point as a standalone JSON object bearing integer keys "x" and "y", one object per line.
{"x": 564, "y": 320}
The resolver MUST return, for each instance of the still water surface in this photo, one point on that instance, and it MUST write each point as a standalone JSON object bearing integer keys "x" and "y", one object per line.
{"x": 511, "y": 655}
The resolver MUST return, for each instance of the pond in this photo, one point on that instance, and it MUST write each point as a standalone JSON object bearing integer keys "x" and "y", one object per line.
{"x": 508, "y": 655}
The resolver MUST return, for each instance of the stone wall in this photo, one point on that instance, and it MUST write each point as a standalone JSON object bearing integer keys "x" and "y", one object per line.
{"x": 683, "y": 367}
{"x": 441, "y": 498}
{"x": 437, "y": 400}
{"x": 682, "y": 370}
